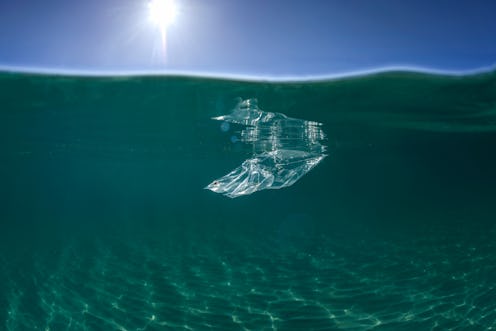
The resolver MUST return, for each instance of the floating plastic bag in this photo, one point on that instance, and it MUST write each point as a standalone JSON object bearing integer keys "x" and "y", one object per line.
{"x": 285, "y": 149}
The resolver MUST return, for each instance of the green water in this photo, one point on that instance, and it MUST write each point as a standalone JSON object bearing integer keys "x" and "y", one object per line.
{"x": 105, "y": 225}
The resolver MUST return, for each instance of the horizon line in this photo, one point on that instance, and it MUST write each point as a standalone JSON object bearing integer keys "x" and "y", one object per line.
{"x": 241, "y": 76}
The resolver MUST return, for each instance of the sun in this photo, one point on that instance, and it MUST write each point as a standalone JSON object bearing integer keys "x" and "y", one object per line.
{"x": 163, "y": 12}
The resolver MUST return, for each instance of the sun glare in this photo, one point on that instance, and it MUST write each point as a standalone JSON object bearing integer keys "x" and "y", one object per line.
{"x": 163, "y": 12}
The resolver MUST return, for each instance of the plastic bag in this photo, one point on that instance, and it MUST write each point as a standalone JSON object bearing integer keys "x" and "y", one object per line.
{"x": 284, "y": 150}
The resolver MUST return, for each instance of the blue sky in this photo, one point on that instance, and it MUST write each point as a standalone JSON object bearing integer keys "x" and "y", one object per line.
{"x": 250, "y": 37}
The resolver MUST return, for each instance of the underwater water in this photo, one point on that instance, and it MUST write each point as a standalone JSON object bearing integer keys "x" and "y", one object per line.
{"x": 105, "y": 223}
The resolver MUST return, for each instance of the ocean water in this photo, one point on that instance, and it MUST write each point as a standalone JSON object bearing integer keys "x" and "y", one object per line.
{"x": 105, "y": 223}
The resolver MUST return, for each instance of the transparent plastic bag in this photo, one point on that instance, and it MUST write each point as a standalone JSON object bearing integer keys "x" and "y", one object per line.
{"x": 284, "y": 150}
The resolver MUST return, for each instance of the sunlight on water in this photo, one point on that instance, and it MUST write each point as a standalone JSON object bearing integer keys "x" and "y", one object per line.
{"x": 334, "y": 285}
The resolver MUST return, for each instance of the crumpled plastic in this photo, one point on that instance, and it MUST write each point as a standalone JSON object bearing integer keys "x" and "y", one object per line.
{"x": 284, "y": 150}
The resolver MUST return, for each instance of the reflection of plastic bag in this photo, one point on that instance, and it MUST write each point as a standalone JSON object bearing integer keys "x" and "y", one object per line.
{"x": 285, "y": 149}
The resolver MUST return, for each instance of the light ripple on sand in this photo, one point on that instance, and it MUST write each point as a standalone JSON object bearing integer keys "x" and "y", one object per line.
{"x": 388, "y": 286}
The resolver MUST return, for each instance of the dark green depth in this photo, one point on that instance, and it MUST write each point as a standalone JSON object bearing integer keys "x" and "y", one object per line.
{"x": 104, "y": 221}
